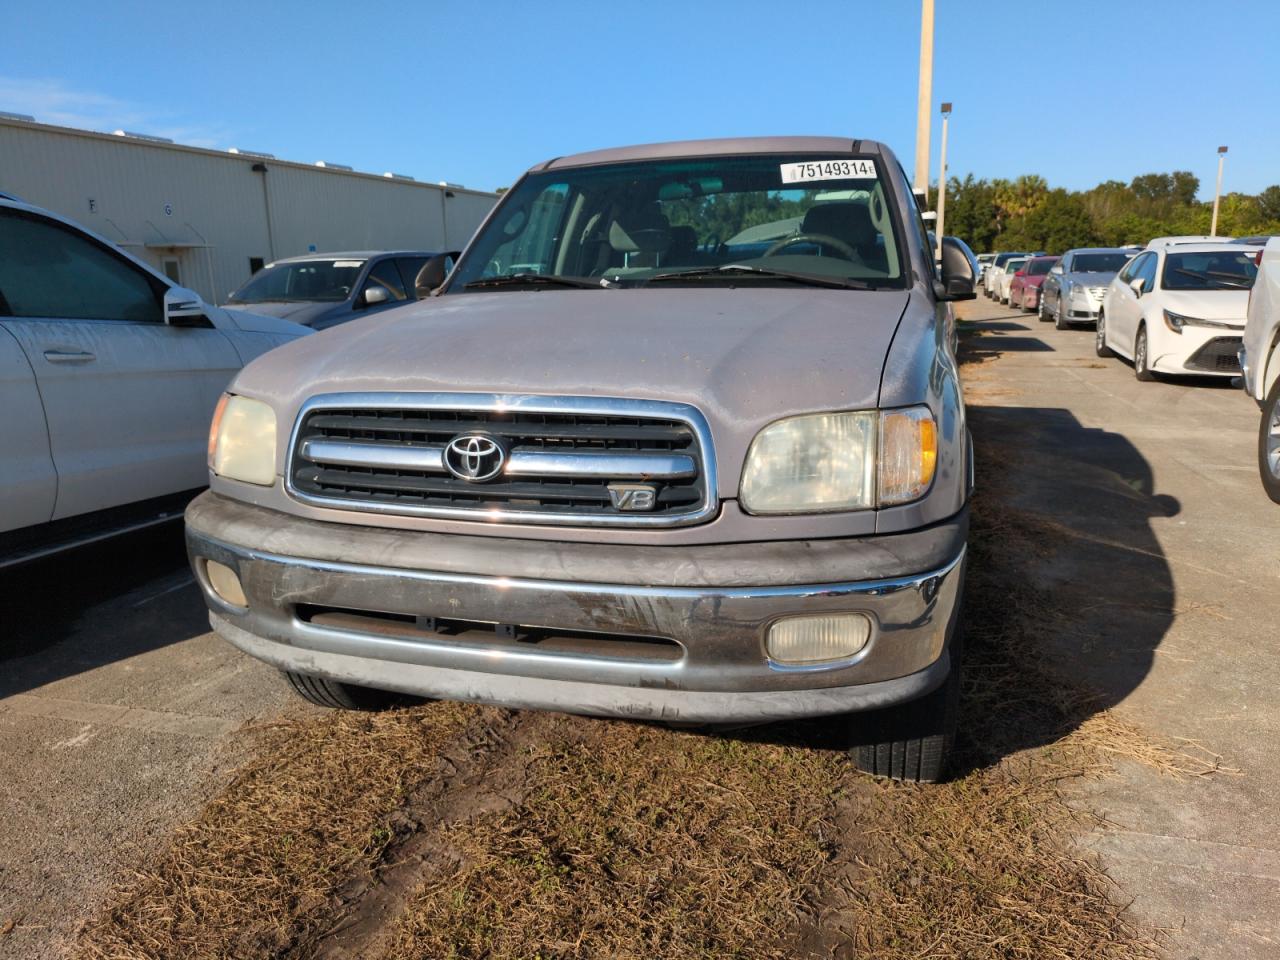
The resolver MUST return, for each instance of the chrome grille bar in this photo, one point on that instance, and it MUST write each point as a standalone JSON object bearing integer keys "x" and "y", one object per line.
{"x": 522, "y": 463}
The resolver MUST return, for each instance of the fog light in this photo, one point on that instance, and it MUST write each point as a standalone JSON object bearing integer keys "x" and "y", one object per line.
{"x": 806, "y": 640}
{"x": 225, "y": 583}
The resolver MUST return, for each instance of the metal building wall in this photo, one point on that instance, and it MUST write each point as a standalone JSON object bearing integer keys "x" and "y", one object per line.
{"x": 211, "y": 211}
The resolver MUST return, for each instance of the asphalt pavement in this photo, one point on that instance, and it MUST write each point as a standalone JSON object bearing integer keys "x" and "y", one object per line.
{"x": 119, "y": 713}
{"x": 1172, "y": 565}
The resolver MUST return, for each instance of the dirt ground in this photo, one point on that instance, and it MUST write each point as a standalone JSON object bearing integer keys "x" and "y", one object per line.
{"x": 1094, "y": 769}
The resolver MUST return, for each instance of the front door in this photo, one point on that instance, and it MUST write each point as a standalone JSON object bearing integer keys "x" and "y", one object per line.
{"x": 127, "y": 397}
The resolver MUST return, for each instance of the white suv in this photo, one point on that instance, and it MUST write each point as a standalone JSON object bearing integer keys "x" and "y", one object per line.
{"x": 108, "y": 378}
{"x": 1179, "y": 309}
{"x": 1260, "y": 360}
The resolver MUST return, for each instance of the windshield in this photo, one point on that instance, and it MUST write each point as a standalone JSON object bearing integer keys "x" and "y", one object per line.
{"x": 1099, "y": 262}
{"x": 1219, "y": 270}
{"x": 301, "y": 280}
{"x": 1013, "y": 266}
{"x": 1039, "y": 268}
{"x": 628, "y": 224}
{"x": 1003, "y": 258}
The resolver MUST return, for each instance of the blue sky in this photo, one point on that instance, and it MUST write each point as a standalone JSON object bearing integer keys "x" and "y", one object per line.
{"x": 475, "y": 93}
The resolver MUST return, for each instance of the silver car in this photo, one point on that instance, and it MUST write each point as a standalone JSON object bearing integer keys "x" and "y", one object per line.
{"x": 1072, "y": 292}
{"x": 320, "y": 290}
{"x": 638, "y": 458}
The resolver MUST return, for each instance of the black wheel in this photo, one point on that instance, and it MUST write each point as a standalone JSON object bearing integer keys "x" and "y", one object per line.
{"x": 1058, "y": 321}
{"x": 1100, "y": 338}
{"x": 341, "y": 696}
{"x": 1042, "y": 312}
{"x": 1269, "y": 443}
{"x": 1140, "y": 368}
{"x": 912, "y": 741}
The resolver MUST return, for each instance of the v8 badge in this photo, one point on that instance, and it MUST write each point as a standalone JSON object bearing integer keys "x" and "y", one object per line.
{"x": 633, "y": 497}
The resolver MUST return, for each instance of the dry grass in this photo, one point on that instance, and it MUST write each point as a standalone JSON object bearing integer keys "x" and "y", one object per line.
{"x": 257, "y": 868}
{"x": 637, "y": 842}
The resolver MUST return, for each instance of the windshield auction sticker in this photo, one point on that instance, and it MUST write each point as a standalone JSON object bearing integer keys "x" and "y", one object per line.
{"x": 828, "y": 170}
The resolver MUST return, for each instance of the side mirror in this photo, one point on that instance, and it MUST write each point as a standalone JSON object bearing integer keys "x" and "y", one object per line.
{"x": 433, "y": 273}
{"x": 1136, "y": 285}
{"x": 1057, "y": 270}
{"x": 957, "y": 273}
{"x": 184, "y": 308}
{"x": 374, "y": 294}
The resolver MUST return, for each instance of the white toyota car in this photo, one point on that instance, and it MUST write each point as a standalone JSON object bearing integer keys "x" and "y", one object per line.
{"x": 1179, "y": 308}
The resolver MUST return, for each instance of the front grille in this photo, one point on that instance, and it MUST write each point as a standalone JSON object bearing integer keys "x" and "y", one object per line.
{"x": 1219, "y": 355}
{"x": 559, "y": 458}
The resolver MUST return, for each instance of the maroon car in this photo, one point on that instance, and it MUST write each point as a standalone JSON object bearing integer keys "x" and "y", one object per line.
{"x": 1024, "y": 291}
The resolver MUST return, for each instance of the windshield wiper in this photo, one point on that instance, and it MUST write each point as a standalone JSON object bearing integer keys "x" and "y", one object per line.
{"x": 1230, "y": 280}
{"x": 720, "y": 273}
{"x": 537, "y": 279}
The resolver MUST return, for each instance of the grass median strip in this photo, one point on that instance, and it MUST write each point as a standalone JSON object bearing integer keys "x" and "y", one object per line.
{"x": 255, "y": 870}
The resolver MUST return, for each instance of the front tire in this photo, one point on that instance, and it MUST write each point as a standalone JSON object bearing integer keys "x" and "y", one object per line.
{"x": 1269, "y": 443}
{"x": 912, "y": 741}
{"x": 1042, "y": 313}
{"x": 1058, "y": 322}
{"x": 1100, "y": 337}
{"x": 1140, "y": 368}
{"x": 337, "y": 695}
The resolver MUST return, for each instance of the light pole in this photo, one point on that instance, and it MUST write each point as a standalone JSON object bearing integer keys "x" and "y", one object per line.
{"x": 942, "y": 180}
{"x": 925, "y": 97}
{"x": 1217, "y": 194}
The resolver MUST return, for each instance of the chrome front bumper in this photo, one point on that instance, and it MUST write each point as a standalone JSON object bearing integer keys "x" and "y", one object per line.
{"x": 673, "y": 644}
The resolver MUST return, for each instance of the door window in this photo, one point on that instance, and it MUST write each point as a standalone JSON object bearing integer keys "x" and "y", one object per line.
{"x": 50, "y": 270}
{"x": 384, "y": 273}
{"x": 1147, "y": 271}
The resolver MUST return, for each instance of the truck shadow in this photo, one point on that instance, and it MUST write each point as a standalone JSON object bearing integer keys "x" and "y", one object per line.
{"x": 100, "y": 604}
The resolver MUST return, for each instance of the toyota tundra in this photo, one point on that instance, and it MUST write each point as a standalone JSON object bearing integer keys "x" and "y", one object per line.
{"x": 679, "y": 438}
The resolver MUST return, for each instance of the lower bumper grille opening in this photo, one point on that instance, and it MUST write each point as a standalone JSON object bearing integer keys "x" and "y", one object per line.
{"x": 1219, "y": 355}
{"x": 493, "y": 636}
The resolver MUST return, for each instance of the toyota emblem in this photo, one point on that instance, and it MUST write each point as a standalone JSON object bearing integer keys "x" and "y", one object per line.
{"x": 474, "y": 457}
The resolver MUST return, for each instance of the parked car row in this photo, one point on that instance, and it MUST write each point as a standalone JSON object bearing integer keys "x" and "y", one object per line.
{"x": 1189, "y": 305}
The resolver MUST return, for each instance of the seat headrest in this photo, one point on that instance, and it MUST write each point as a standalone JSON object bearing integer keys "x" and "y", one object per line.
{"x": 844, "y": 220}
{"x": 640, "y": 231}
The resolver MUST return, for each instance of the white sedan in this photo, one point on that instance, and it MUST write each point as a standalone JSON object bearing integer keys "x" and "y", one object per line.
{"x": 109, "y": 374}
{"x": 1004, "y": 279}
{"x": 1179, "y": 309}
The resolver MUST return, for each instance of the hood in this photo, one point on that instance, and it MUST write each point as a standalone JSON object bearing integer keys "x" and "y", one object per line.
{"x": 1090, "y": 279}
{"x": 255, "y": 322}
{"x": 744, "y": 356}
{"x": 304, "y": 312}
{"x": 1033, "y": 281}
{"x": 1225, "y": 306}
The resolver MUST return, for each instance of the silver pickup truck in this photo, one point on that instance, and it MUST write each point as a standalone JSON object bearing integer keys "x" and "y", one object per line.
{"x": 680, "y": 438}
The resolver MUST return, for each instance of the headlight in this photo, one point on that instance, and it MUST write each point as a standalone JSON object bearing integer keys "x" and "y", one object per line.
{"x": 242, "y": 440}
{"x": 1081, "y": 294}
{"x": 840, "y": 461}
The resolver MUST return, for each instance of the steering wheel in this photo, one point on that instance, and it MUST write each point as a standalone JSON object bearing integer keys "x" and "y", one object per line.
{"x": 820, "y": 239}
